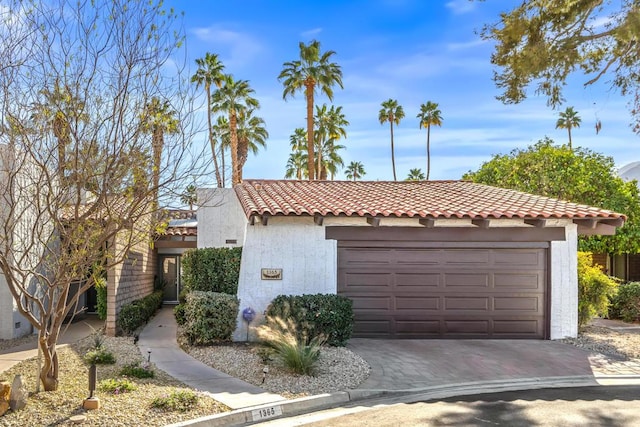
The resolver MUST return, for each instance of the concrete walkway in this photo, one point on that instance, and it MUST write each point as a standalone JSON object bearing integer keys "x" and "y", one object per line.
{"x": 159, "y": 336}
{"x": 76, "y": 331}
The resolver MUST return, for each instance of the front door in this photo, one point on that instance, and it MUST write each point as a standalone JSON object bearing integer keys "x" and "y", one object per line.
{"x": 170, "y": 274}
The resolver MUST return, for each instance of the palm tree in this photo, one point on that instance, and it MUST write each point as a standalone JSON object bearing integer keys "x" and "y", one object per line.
{"x": 297, "y": 165}
{"x": 190, "y": 196}
{"x": 159, "y": 120}
{"x": 355, "y": 171}
{"x": 568, "y": 119}
{"x": 312, "y": 71}
{"x": 298, "y": 139}
{"x": 331, "y": 124}
{"x": 391, "y": 112}
{"x": 415, "y": 175}
{"x": 429, "y": 115}
{"x": 210, "y": 72}
{"x": 252, "y": 134}
{"x": 331, "y": 160}
{"x": 234, "y": 98}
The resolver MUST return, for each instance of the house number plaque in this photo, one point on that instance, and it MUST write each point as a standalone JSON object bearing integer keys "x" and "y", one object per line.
{"x": 271, "y": 273}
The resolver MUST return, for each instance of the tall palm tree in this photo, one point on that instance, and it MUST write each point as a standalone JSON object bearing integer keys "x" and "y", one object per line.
{"x": 311, "y": 72}
{"x": 429, "y": 115}
{"x": 298, "y": 139}
{"x": 233, "y": 98}
{"x": 190, "y": 196}
{"x": 159, "y": 120}
{"x": 209, "y": 73}
{"x": 252, "y": 134}
{"x": 391, "y": 112}
{"x": 415, "y": 175}
{"x": 331, "y": 160}
{"x": 568, "y": 120}
{"x": 297, "y": 165}
{"x": 355, "y": 171}
{"x": 330, "y": 124}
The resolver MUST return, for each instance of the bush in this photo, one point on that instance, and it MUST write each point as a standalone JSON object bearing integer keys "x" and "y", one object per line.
{"x": 594, "y": 289}
{"x": 99, "y": 356}
{"x": 179, "y": 400}
{"x": 101, "y": 301}
{"x": 626, "y": 304}
{"x": 210, "y": 317}
{"x": 116, "y": 385}
{"x": 137, "y": 370}
{"x": 211, "y": 270}
{"x": 328, "y": 315}
{"x": 179, "y": 312}
{"x": 291, "y": 346}
{"x": 137, "y": 313}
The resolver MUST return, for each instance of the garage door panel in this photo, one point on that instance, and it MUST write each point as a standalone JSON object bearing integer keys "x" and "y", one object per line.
{"x": 419, "y": 303}
{"x": 468, "y": 293}
{"x": 469, "y": 280}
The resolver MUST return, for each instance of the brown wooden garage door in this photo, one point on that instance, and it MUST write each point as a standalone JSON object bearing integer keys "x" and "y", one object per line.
{"x": 445, "y": 293}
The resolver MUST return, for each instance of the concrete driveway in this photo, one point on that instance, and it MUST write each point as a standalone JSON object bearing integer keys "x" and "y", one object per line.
{"x": 416, "y": 364}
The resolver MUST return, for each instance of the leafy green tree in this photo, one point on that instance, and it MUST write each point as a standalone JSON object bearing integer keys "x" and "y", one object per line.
{"x": 579, "y": 176}
{"x": 568, "y": 119}
{"x": 541, "y": 42}
{"x": 392, "y": 113}
{"x": 314, "y": 70}
{"x": 355, "y": 171}
{"x": 429, "y": 115}
{"x": 210, "y": 72}
{"x": 331, "y": 124}
{"x": 415, "y": 175}
{"x": 234, "y": 98}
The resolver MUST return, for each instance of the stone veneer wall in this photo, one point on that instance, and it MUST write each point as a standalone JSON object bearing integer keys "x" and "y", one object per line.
{"x": 130, "y": 280}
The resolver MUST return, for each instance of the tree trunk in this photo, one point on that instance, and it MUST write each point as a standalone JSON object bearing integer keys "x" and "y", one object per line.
{"x": 569, "y": 130}
{"x": 49, "y": 372}
{"x": 393, "y": 157}
{"x": 428, "y": 151}
{"x": 234, "y": 148}
{"x": 212, "y": 140}
{"x": 243, "y": 154}
{"x": 310, "y": 85}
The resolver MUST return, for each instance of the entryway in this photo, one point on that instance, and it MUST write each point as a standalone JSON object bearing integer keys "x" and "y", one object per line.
{"x": 169, "y": 266}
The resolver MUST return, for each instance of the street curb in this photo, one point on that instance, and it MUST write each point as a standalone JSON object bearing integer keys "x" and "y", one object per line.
{"x": 324, "y": 401}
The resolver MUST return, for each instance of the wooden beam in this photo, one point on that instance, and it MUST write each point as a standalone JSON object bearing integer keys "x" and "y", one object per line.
{"x": 373, "y": 221}
{"x": 427, "y": 222}
{"x": 481, "y": 223}
{"x": 599, "y": 230}
{"x": 252, "y": 220}
{"x": 265, "y": 218}
{"x": 176, "y": 244}
{"x": 614, "y": 222}
{"x": 318, "y": 219}
{"x": 536, "y": 222}
{"x": 586, "y": 223}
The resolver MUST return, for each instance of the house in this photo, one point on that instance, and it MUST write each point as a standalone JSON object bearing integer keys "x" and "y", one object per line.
{"x": 430, "y": 259}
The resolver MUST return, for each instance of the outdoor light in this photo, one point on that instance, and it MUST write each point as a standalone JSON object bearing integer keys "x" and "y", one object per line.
{"x": 265, "y": 371}
{"x": 92, "y": 402}
{"x": 248, "y": 314}
{"x": 148, "y": 355}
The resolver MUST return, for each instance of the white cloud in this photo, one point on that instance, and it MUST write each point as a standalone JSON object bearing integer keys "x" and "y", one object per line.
{"x": 312, "y": 32}
{"x": 465, "y": 45}
{"x": 236, "y": 48}
{"x": 459, "y": 7}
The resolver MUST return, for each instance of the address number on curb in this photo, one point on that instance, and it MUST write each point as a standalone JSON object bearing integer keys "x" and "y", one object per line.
{"x": 266, "y": 413}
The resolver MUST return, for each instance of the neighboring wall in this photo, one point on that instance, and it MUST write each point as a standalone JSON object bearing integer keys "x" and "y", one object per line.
{"x": 564, "y": 284}
{"x": 130, "y": 280}
{"x": 221, "y": 219}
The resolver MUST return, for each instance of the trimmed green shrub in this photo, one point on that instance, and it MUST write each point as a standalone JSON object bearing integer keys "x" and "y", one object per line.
{"x": 325, "y": 315}
{"x": 101, "y": 301}
{"x": 179, "y": 312}
{"x": 99, "y": 356}
{"x": 116, "y": 385}
{"x": 138, "y": 312}
{"x": 626, "y": 304}
{"x": 179, "y": 400}
{"x": 210, "y": 317}
{"x": 211, "y": 270}
{"x": 595, "y": 289}
{"x": 137, "y": 370}
{"x": 291, "y": 346}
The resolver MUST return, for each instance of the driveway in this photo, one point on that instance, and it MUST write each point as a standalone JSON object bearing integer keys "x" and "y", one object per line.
{"x": 414, "y": 364}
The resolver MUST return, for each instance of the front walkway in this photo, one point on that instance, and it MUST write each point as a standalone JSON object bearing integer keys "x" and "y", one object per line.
{"x": 159, "y": 336}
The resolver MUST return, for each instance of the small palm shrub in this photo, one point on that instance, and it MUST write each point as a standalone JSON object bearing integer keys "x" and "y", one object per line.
{"x": 294, "y": 349}
{"x": 179, "y": 400}
{"x": 594, "y": 289}
{"x": 116, "y": 385}
{"x": 626, "y": 304}
{"x": 137, "y": 370}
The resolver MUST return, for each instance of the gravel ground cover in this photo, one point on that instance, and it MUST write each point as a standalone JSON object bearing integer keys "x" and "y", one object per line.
{"x": 126, "y": 409}
{"x": 620, "y": 344}
{"x": 7, "y": 344}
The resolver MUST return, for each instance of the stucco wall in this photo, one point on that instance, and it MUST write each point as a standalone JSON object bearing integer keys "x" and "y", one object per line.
{"x": 130, "y": 280}
{"x": 299, "y": 248}
{"x": 564, "y": 285}
{"x": 220, "y": 218}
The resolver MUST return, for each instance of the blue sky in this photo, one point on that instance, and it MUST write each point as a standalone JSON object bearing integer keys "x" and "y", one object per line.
{"x": 410, "y": 50}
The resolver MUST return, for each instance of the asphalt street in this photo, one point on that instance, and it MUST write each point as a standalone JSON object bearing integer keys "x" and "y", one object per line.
{"x": 611, "y": 406}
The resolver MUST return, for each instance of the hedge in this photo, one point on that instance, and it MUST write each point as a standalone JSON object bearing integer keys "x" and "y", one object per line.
{"x": 137, "y": 313}
{"x": 626, "y": 304}
{"x": 320, "y": 314}
{"x": 595, "y": 289}
{"x": 211, "y": 270}
{"x": 210, "y": 317}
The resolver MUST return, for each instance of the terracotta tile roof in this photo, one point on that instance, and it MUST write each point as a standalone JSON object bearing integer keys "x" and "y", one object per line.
{"x": 425, "y": 199}
{"x": 181, "y": 223}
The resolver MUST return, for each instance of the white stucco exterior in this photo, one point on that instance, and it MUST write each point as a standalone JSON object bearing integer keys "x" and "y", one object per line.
{"x": 220, "y": 219}
{"x": 308, "y": 261}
